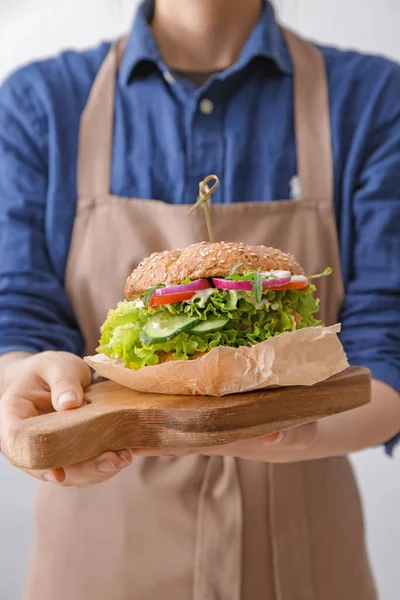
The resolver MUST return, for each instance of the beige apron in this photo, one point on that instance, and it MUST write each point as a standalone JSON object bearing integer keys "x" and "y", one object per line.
{"x": 200, "y": 528}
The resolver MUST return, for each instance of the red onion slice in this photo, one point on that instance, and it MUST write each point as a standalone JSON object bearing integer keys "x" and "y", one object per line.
{"x": 228, "y": 284}
{"x": 193, "y": 286}
{"x": 247, "y": 286}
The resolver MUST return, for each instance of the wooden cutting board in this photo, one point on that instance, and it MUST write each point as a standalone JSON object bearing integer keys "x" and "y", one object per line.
{"x": 116, "y": 417}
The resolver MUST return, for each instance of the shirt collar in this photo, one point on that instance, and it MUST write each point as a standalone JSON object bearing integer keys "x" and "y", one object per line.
{"x": 266, "y": 40}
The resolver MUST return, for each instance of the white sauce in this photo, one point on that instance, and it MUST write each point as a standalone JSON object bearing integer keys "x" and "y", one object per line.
{"x": 264, "y": 304}
{"x": 139, "y": 304}
{"x": 277, "y": 274}
{"x": 202, "y": 295}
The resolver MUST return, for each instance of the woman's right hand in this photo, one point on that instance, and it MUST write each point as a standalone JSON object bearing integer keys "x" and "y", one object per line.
{"x": 55, "y": 380}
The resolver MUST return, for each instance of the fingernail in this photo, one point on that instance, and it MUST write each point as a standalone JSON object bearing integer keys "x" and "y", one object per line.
{"x": 273, "y": 439}
{"x": 125, "y": 458}
{"x": 67, "y": 398}
{"x": 107, "y": 467}
{"x": 49, "y": 477}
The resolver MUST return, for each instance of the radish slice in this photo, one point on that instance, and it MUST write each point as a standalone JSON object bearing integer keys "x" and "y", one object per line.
{"x": 193, "y": 286}
{"x": 298, "y": 278}
{"x": 247, "y": 286}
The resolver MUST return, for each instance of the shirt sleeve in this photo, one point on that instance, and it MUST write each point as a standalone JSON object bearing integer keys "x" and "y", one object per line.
{"x": 34, "y": 311}
{"x": 371, "y": 312}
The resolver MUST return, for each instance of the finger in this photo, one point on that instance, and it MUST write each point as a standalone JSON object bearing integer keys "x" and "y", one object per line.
{"x": 13, "y": 409}
{"x": 98, "y": 470}
{"x": 67, "y": 375}
{"x": 273, "y": 439}
{"x": 87, "y": 473}
{"x": 53, "y": 476}
{"x": 299, "y": 438}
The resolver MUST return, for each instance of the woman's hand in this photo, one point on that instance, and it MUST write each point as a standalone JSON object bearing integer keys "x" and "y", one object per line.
{"x": 55, "y": 380}
{"x": 290, "y": 446}
{"x": 358, "y": 429}
{"x": 296, "y": 444}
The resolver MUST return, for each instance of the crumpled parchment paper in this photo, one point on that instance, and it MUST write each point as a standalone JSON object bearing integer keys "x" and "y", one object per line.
{"x": 302, "y": 357}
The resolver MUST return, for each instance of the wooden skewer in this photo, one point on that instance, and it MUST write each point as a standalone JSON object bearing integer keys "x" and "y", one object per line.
{"x": 205, "y": 193}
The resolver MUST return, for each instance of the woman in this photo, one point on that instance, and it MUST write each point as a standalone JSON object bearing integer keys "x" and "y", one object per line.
{"x": 199, "y": 87}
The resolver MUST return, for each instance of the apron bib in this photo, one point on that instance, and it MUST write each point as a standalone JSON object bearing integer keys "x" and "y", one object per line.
{"x": 202, "y": 528}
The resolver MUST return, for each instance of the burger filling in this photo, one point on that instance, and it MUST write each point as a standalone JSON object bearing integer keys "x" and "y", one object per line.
{"x": 184, "y": 321}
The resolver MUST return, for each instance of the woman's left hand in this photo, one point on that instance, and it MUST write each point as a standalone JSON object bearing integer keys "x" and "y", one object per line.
{"x": 358, "y": 429}
{"x": 292, "y": 445}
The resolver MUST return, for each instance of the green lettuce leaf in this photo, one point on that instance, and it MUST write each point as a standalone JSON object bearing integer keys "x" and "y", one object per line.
{"x": 250, "y": 322}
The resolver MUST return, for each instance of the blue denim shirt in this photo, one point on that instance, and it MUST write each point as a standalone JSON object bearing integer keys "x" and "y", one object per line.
{"x": 164, "y": 144}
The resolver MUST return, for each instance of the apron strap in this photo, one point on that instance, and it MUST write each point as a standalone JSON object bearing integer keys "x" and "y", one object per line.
{"x": 218, "y": 551}
{"x": 312, "y": 120}
{"x": 97, "y": 128}
{"x": 311, "y": 114}
{"x": 290, "y": 538}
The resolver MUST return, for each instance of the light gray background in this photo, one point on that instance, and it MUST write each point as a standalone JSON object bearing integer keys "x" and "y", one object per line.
{"x": 32, "y": 29}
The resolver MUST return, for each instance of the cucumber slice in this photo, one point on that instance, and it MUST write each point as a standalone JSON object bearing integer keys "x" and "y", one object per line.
{"x": 212, "y": 324}
{"x": 163, "y": 327}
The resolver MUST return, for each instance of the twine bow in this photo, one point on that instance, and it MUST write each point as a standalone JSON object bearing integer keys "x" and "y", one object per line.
{"x": 205, "y": 193}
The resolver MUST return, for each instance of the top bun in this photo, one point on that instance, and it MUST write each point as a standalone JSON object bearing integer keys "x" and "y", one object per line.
{"x": 203, "y": 260}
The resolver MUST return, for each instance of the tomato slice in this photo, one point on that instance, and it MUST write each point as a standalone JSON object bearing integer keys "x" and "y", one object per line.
{"x": 171, "y": 298}
{"x": 293, "y": 285}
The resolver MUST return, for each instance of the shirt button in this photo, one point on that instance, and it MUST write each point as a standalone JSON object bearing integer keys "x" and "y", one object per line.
{"x": 168, "y": 77}
{"x": 206, "y": 106}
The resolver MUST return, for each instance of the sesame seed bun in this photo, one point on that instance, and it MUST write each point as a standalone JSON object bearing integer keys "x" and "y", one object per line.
{"x": 205, "y": 260}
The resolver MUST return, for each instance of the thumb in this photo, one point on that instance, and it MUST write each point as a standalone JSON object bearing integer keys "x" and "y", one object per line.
{"x": 67, "y": 376}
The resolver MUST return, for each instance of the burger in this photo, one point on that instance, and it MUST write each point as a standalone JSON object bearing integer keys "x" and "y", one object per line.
{"x": 181, "y": 304}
